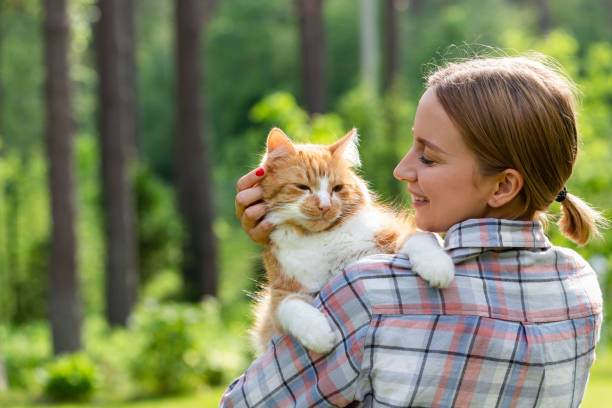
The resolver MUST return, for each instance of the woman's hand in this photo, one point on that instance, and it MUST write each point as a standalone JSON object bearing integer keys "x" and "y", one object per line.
{"x": 250, "y": 208}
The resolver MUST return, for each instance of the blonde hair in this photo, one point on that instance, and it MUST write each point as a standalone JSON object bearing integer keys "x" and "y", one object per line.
{"x": 519, "y": 113}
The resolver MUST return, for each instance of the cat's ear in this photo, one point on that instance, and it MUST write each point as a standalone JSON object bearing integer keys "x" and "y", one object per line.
{"x": 346, "y": 148}
{"x": 279, "y": 144}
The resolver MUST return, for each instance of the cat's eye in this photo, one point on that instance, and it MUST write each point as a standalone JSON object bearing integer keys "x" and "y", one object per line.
{"x": 337, "y": 188}
{"x": 303, "y": 187}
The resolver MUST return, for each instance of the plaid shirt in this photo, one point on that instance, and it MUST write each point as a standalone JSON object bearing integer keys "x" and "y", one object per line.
{"x": 517, "y": 327}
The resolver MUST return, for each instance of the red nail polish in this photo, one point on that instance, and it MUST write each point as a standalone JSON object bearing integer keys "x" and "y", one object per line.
{"x": 260, "y": 172}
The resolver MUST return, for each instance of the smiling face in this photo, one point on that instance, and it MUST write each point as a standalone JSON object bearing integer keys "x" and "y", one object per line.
{"x": 442, "y": 173}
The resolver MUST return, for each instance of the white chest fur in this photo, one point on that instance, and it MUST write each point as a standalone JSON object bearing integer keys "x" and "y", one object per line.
{"x": 313, "y": 259}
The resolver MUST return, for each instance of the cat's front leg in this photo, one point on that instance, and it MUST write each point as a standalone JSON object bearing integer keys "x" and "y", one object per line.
{"x": 306, "y": 323}
{"x": 428, "y": 259}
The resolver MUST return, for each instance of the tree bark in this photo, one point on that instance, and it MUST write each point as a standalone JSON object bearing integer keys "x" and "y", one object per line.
{"x": 64, "y": 305}
{"x": 193, "y": 174}
{"x": 310, "y": 15}
{"x": 391, "y": 44}
{"x": 118, "y": 145}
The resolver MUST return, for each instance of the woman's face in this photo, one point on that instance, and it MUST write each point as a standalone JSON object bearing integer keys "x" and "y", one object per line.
{"x": 441, "y": 172}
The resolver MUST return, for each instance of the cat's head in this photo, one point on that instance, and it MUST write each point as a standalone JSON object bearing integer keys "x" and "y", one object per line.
{"x": 313, "y": 187}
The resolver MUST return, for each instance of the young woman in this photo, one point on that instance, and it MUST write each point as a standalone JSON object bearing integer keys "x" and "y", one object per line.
{"x": 495, "y": 142}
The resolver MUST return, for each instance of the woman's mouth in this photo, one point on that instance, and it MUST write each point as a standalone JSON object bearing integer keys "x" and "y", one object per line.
{"x": 418, "y": 201}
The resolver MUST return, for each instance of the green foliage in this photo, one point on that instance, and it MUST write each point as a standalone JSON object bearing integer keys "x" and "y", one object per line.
{"x": 440, "y": 31}
{"x": 255, "y": 50}
{"x": 24, "y": 350}
{"x": 281, "y": 109}
{"x": 21, "y": 79}
{"x": 70, "y": 377}
{"x": 342, "y": 54}
{"x": 159, "y": 228}
{"x": 181, "y": 346}
{"x": 156, "y": 96}
{"x": 24, "y": 223}
{"x": 168, "y": 360}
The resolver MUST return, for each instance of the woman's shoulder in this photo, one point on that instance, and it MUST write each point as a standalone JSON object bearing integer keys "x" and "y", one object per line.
{"x": 377, "y": 281}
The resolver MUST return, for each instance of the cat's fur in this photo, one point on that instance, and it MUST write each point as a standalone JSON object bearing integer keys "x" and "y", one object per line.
{"x": 326, "y": 218}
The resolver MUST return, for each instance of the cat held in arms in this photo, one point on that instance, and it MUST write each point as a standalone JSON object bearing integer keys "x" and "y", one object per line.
{"x": 325, "y": 219}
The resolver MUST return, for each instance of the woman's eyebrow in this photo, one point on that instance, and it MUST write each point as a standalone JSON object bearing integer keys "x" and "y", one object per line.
{"x": 429, "y": 144}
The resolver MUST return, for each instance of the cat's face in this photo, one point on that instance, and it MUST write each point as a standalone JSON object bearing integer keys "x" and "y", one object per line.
{"x": 312, "y": 186}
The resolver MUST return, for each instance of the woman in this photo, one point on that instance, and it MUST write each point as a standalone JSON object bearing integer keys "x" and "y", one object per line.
{"x": 495, "y": 142}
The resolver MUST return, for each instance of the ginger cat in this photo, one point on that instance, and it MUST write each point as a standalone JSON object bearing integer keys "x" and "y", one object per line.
{"x": 326, "y": 218}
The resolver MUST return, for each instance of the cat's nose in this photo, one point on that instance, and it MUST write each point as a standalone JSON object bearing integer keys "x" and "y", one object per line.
{"x": 324, "y": 207}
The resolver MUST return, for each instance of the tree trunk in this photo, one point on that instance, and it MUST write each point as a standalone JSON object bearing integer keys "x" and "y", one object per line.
{"x": 64, "y": 306}
{"x": 118, "y": 145}
{"x": 391, "y": 44}
{"x": 193, "y": 175}
{"x": 310, "y": 15}
{"x": 369, "y": 45}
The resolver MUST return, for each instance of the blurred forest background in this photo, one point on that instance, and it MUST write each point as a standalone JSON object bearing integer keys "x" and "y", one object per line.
{"x": 124, "y": 126}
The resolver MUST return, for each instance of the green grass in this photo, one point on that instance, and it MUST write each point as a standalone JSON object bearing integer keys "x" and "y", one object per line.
{"x": 207, "y": 398}
{"x": 599, "y": 388}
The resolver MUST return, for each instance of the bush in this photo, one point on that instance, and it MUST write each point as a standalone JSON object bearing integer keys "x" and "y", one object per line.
{"x": 165, "y": 364}
{"x": 71, "y": 377}
{"x": 24, "y": 348}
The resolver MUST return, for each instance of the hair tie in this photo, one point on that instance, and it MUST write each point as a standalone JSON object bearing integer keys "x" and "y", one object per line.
{"x": 562, "y": 194}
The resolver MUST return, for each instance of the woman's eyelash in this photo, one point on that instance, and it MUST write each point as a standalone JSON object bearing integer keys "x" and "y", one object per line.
{"x": 425, "y": 160}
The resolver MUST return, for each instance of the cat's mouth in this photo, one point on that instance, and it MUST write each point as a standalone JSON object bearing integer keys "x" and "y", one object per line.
{"x": 320, "y": 223}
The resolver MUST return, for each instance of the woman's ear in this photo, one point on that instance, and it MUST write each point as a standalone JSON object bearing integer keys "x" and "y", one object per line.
{"x": 508, "y": 184}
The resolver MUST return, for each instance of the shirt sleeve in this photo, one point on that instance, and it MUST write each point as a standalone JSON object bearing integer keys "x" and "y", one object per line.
{"x": 290, "y": 375}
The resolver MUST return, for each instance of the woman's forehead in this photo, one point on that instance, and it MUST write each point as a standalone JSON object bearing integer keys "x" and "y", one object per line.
{"x": 433, "y": 127}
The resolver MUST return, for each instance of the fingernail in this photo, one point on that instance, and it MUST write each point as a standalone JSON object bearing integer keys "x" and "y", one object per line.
{"x": 259, "y": 172}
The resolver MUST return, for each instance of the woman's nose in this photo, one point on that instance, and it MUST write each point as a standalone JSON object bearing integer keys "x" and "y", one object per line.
{"x": 405, "y": 171}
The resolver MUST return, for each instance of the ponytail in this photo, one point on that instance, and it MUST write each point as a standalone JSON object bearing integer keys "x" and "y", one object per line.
{"x": 579, "y": 221}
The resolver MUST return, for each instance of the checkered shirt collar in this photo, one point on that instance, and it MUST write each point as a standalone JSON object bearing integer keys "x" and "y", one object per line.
{"x": 496, "y": 233}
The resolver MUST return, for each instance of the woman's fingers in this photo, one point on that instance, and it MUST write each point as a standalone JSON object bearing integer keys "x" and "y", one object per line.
{"x": 250, "y": 208}
{"x": 252, "y": 215}
{"x": 246, "y": 198}
{"x": 261, "y": 231}
{"x": 250, "y": 179}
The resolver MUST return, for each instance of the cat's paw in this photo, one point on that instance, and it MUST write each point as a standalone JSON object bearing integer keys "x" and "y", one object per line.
{"x": 436, "y": 268}
{"x": 307, "y": 324}
{"x": 429, "y": 260}
{"x": 317, "y": 336}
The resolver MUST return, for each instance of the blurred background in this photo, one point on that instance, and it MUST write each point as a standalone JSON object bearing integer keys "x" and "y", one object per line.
{"x": 124, "y": 126}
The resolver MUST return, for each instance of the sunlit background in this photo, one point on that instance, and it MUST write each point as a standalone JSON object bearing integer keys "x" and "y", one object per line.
{"x": 166, "y": 108}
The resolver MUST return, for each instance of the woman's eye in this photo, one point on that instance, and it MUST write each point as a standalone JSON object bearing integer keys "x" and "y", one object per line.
{"x": 303, "y": 187}
{"x": 425, "y": 160}
{"x": 337, "y": 188}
